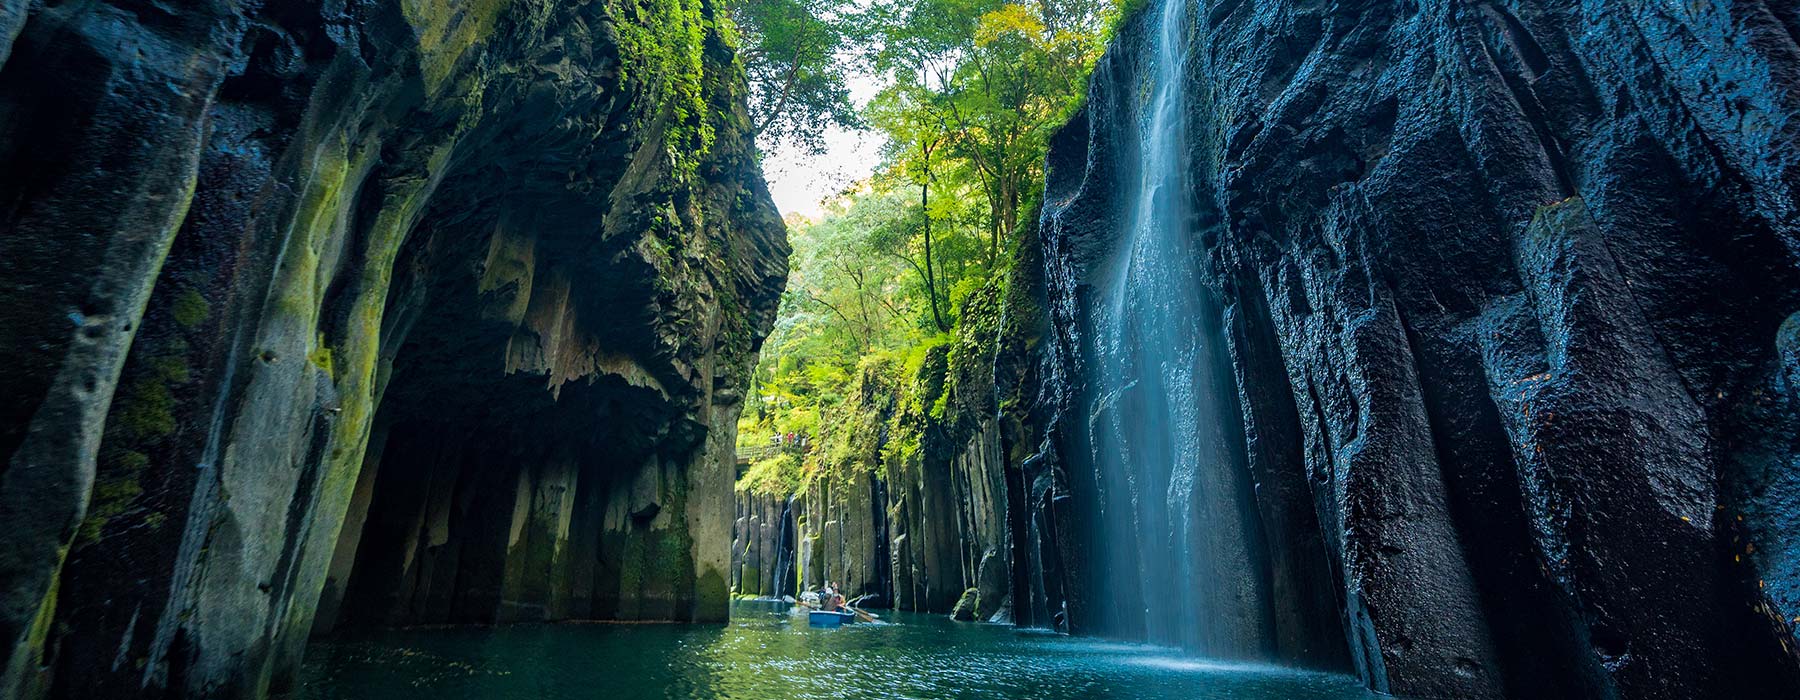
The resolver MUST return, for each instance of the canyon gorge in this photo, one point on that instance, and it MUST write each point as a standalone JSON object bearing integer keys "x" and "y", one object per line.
{"x": 1473, "y": 355}
{"x": 1448, "y": 348}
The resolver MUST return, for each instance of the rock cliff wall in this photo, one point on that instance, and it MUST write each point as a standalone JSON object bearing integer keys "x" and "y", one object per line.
{"x": 363, "y": 312}
{"x": 915, "y": 495}
{"x": 763, "y": 550}
{"x": 1511, "y": 292}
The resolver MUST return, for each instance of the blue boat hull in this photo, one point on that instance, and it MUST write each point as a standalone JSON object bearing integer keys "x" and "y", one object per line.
{"x": 821, "y": 618}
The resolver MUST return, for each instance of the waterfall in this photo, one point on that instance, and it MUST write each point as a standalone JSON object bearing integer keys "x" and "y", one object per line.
{"x": 1180, "y": 560}
{"x": 784, "y": 549}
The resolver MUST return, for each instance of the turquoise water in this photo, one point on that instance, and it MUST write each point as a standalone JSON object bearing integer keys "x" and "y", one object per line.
{"x": 766, "y": 655}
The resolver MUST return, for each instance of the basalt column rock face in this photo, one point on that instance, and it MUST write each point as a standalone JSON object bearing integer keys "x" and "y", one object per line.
{"x": 318, "y": 315}
{"x": 1509, "y": 294}
{"x": 919, "y": 498}
{"x": 851, "y": 527}
{"x": 762, "y": 545}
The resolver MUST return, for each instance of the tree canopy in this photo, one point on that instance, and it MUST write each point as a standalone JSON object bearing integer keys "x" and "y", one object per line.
{"x": 793, "y": 53}
{"x": 970, "y": 91}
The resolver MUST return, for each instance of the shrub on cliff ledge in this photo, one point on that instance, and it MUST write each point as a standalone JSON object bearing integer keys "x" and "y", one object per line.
{"x": 780, "y": 475}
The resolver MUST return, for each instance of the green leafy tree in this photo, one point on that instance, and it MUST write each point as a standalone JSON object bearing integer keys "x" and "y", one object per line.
{"x": 793, "y": 53}
{"x": 971, "y": 91}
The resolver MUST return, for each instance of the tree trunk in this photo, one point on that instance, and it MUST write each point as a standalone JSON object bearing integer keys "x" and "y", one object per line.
{"x": 937, "y": 315}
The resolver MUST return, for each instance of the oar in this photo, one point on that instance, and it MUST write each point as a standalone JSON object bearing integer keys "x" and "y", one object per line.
{"x": 860, "y": 613}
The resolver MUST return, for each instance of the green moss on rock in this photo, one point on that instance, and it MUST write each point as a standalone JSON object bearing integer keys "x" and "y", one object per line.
{"x": 712, "y": 598}
{"x": 446, "y": 30}
{"x": 663, "y": 42}
{"x": 190, "y": 309}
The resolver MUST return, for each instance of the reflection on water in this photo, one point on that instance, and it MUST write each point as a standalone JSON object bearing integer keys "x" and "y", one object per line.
{"x": 766, "y": 655}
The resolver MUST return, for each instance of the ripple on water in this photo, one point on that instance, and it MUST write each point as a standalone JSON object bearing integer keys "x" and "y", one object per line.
{"x": 765, "y": 656}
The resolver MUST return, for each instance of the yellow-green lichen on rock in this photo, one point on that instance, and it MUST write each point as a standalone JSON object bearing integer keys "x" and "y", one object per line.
{"x": 446, "y": 30}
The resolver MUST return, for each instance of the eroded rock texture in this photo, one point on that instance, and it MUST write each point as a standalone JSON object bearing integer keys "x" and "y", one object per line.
{"x": 363, "y": 312}
{"x": 763, "y": 545}
{"x": 1507, "y": 284}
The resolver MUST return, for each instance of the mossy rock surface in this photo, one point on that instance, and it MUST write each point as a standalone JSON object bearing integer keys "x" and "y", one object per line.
{"x": 282, "y": 297}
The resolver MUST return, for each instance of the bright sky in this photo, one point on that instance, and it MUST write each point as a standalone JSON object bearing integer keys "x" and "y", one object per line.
{"x": 799, "y": 181}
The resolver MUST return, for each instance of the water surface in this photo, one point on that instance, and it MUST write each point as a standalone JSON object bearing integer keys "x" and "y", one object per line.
{"x": 766, "y": 655}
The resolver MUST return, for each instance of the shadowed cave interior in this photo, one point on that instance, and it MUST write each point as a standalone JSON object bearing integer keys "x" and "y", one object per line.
{"x": 490, "y": 496}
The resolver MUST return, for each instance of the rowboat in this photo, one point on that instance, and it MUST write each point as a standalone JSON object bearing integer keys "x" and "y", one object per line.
{"x": 822, "y": 618}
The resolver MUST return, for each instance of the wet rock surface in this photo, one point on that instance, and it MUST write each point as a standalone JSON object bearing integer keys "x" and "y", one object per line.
{"x": 320, "y": 315}
{"x": 1509, "y": 289}
{"x": 763, "y": 546}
